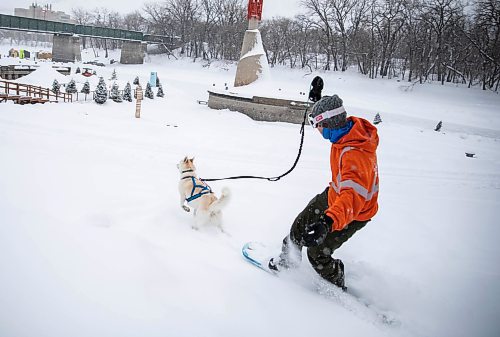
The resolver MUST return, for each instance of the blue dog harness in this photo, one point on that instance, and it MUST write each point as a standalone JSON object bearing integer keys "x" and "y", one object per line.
{"x": 205, "y": 189}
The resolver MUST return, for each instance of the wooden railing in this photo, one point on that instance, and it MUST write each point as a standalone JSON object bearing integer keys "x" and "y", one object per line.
{"x": 13, "y": 89}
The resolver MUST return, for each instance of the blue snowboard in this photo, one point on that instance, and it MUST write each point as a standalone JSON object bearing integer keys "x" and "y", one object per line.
{"x": 259, "y": 255}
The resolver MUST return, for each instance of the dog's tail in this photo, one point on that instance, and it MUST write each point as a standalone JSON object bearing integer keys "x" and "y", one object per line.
{"x": 221, "y": 202}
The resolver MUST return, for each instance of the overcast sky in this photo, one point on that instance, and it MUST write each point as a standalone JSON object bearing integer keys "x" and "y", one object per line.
{"x": 271, "y": 7}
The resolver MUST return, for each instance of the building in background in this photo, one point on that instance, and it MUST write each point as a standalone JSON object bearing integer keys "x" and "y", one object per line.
{"x": 45, "y": 12}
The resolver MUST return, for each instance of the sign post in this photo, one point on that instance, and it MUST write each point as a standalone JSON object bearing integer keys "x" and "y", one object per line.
{"x": 138, "y": 99}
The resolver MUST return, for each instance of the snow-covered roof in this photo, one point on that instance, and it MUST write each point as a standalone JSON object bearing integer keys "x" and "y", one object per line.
{"x": 43, "y": 76}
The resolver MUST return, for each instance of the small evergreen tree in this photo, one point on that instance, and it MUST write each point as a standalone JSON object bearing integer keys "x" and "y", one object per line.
{"x": 71, "y": 87}
{"x": 149, "y": 91}
{"x": 94, "y": 72}
{"x": 136, "y": 81}
{"x": 377, "y": 119}
{"x": 113, "y": 75}
{"x": 438, "y": 126}
{"x": 160, "y": 93}
{"x": 115, "y": 93}
{"x": 101, "y": 92}
{"x": 56, "y": 87}
{"x": 157, "y": 81}
{"x": 127, "y": 93}
{"x": 86, "y": 88}
{"x": 77, "y": 70}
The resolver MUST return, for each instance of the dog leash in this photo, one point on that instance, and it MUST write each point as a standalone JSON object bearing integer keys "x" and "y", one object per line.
{"x": 280, "y": 176}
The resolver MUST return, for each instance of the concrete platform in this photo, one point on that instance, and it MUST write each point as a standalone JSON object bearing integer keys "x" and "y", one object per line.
{"x": 260, "y": 108}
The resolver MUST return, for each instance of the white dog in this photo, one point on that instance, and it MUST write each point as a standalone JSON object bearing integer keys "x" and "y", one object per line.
{"x": 198, "y": 195}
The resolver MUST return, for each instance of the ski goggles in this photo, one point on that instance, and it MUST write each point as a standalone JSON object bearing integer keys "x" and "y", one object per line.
{"x": 317, "y": 120}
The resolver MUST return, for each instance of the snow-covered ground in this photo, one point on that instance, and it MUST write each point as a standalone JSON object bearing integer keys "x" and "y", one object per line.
{"x": 93, "y": 241}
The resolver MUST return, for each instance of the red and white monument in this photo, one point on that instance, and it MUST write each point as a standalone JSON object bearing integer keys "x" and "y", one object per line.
{"x": 259, "y": 101}
{"x": 253, "y": 60}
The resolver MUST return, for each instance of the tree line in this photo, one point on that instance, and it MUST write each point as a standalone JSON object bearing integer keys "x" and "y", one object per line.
{"x": 208, "y": 29}
{"x": 414, "y": 40}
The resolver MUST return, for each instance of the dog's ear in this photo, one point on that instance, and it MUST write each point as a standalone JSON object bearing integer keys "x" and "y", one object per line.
{"x": 191, "y": 160}
{"x": 185, "y": 159}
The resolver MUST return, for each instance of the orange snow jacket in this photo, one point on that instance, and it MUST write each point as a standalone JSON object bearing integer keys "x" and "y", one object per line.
{"x": 353, "y": 192}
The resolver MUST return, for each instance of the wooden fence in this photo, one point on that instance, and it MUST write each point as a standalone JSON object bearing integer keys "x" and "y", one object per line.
{"x": 27, "y": 93}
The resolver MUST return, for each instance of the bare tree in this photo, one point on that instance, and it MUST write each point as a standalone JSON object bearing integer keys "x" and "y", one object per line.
{"x": 279, "y": 36}
{"x": 134, "y": 21}
{"x": 82, "y": 17}
{"x": 208, "y": 25}
{"x": 158, "y": 19}
{"x": 323, "y": 12}
{"x": 421, "y": 39}
{"x": 441, "y": 17}
{"x": 484, "y": 36}
{"x": 389, "y": 25}
{"x": 348, "y": 15}
{"x": 305, "y": 37}
{"x": 183, "y": 13}
{"x": 231, "y": 22}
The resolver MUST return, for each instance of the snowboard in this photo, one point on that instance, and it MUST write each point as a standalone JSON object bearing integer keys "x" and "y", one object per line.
{"x": 258, "y": 254}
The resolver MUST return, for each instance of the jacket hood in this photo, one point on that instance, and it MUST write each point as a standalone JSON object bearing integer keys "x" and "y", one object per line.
{"x": 363, "y": 135}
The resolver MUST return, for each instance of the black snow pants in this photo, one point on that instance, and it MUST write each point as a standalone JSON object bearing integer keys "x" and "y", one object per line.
{"x": 320, "y": 256}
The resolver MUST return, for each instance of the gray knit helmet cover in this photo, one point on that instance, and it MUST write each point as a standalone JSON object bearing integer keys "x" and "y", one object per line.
{"x": 327, "y": 103}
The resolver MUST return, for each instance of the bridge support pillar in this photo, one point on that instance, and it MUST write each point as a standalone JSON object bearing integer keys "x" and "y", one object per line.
{"x": 132, "y": 53}
{"x": 66, "y": 48}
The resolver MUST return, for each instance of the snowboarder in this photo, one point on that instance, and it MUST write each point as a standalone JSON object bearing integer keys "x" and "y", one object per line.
{"x": 345, "y": 206}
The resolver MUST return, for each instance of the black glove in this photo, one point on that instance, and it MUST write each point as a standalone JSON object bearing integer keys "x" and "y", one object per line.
{"x": 316, "y": 232}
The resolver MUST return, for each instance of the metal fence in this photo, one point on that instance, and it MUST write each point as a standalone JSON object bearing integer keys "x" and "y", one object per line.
{"x": 44, "y": 26}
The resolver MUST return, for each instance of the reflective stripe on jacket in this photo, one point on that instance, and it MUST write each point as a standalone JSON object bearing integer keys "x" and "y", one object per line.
{"x": 353, "y": 192}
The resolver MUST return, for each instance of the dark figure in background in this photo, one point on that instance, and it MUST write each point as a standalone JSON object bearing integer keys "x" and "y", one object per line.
{"x": 316, "y": 88}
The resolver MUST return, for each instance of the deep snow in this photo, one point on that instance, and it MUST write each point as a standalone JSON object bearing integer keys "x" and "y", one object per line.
{"x": 93, "y": 241}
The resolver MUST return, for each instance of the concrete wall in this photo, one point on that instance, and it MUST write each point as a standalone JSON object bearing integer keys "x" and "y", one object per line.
{"x": 13, "y": 73}
{"x": 66, "y": 48}
{"x": 260, "y": 108}
{"x": 132, "y": 52}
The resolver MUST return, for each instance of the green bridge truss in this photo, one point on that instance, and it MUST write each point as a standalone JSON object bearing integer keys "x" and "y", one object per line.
{"x": 12, "y": 22}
